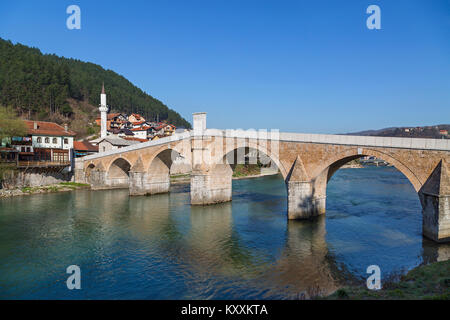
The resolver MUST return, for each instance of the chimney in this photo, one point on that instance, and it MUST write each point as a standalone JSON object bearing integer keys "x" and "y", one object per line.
{"x": 65, "y": 127}
{"x": 35, "y": 126}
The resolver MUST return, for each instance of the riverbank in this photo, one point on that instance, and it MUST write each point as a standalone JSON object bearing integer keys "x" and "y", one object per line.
{"x": 430, "y": 282}
{"x": 60, "y": 187}
{"x": 352, "y": 165}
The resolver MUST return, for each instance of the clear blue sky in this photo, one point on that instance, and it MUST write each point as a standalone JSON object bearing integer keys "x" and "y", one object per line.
{"x": 304, "y": 66}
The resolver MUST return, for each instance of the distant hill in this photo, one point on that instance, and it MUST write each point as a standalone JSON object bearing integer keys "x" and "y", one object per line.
{"x": 410, "y": 132}
{"x": 48, "y": 87}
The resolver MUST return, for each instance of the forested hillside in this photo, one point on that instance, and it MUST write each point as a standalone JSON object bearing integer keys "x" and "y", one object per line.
{"x": 48, "y": 87}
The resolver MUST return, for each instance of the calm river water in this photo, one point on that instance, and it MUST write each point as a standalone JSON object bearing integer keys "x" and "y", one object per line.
{"x": 159, "y": 247}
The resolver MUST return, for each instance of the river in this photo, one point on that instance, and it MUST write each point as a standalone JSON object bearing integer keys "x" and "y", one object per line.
{"x": 159, "y": 247}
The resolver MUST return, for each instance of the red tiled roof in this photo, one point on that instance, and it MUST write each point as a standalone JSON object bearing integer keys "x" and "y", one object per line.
{"x": 84, "y": 146}
{"x": 161, "y": 126}
{"x": 140, "y": 129}
{"x": 47, "y": 129}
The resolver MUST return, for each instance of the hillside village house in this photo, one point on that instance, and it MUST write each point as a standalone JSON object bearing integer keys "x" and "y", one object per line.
{"x": 142, "y": 133}
{"x": 122, "y": 133}
{"x": 140, "y": 124}
{"x": 113, "y": 120}
{"x": 45, "y": 141}
{"x": 112, "y": 143}
{"x": 134, "y": 117}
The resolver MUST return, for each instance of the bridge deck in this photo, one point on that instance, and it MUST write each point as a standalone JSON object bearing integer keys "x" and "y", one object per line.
{"x": 363, "y": 141}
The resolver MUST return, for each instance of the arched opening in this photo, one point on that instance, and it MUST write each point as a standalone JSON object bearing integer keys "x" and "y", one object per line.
{"x": 159, "y": 171}
{"x": 371, "y": 189}
{"x": 321, "y": 180}
{"x": 255, "y": 162}
{"x": 242, "y": 162}
{"x": 88, "y": 173}
{"x": 118, "y": 173}
{"x": 373, "y": 212}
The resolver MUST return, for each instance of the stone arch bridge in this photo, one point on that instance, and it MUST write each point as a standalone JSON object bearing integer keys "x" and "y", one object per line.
{"x": 306, "y": 162}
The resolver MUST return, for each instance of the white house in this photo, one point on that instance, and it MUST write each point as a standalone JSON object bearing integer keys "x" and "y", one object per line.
{"x": 45, "y": 141}
{"x": 141, "y": 132}
{"x": 50, "y": 135}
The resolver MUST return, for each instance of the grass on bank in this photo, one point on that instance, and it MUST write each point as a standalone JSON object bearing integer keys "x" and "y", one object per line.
{"x": 74, "y": 184}
{"x": 242, "y": 170}
{"x": 424, "y": 282}
{"x": 55, "y": 187}
{"x": 181, "y": 175}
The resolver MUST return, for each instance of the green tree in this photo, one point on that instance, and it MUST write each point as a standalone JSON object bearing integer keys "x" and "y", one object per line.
{"x": 10, "y": 124}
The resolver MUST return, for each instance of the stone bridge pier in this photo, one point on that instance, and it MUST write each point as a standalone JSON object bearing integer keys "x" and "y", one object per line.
{"x": 306, "y": 198}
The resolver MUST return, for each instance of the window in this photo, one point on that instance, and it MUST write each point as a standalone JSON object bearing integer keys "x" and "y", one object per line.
{"x": 28, "y": 149}
{"x": 66, "y": 141}
{"x": 47, "y": 140}
{"x": 54, "y": 140}
{"x": 39, "y": 140}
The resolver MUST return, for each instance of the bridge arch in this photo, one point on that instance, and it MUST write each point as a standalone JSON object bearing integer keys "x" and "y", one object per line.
{"x": 214, "y": 183}
{"x": 88, "y": 173}
{"x": 221, "y": 158}
{"x": 118, "y": 173}
{"x": 151, "y": 174}
{"x": 163, "y": 159}
{"x": 327, "y": 169}
{"x": 307, "y": 193}
{"x": 118, "y": 160}
{"x": 314, "y": 200}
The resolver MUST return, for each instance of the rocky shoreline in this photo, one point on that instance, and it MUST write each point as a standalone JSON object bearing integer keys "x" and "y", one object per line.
{"x": 53, "y": 188}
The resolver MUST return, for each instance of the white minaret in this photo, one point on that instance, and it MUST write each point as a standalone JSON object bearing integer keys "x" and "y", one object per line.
{"x": 103, "y": 111}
